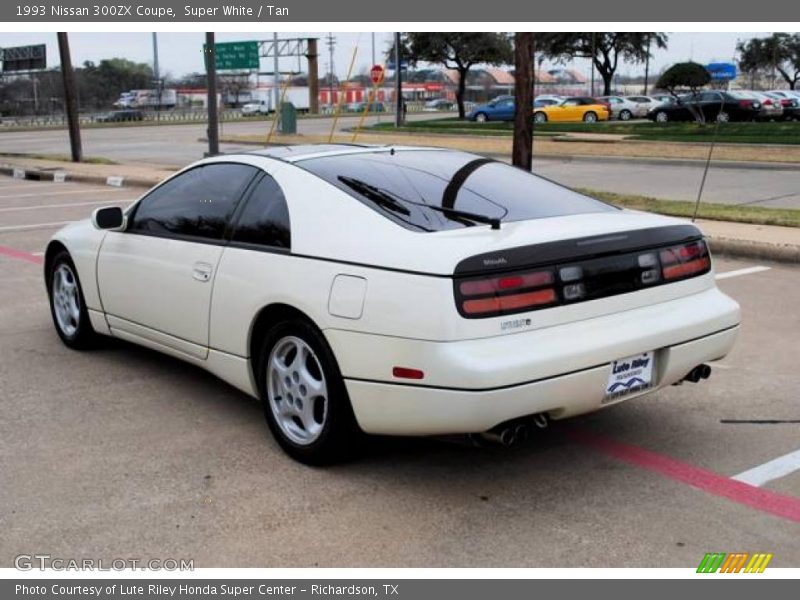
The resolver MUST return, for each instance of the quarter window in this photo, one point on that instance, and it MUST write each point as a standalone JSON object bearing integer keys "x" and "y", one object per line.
{"x": 264, "y": 221}
{"x": 197, "y": 203}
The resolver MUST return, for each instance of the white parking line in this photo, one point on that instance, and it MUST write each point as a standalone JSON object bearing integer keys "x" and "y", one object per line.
{"x": 746, "y": 271}
{"x": 92, "y": 203}
{"x": 33, "y": 226}
{"x": 64, "y": 193}
{"x": 774, "y": 469}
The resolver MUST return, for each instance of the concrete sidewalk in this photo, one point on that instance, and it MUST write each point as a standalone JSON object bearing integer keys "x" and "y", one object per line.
{"x": 762, "y": 242}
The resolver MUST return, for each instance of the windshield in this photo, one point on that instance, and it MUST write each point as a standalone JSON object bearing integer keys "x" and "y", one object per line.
{"x": 425, "y": 190}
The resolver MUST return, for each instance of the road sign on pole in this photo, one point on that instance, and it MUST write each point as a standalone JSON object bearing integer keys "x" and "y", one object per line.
{"x": 236, "y": 55}
{"x": 376, "y": 74}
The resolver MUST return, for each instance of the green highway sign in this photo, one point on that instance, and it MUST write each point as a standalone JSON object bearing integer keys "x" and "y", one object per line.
{"x": 237, "y": 55}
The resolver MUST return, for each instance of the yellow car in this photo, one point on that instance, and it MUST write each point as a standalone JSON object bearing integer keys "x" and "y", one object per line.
{"x": 577, "y": 108}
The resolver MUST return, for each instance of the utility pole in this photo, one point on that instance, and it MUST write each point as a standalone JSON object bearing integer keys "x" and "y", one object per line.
{"x": 313, "y": 76}
{"x": 647, "y": 65}
{"x": 522, "y": 146}
{"x": 593, "y": 53}
{"x": 331, "y": 42}
{"x": 211, "y": 88}
{"x": 398, "y": 83}
{"x": 156, "y": 75}
{"x": 276, "y": 76}
{"x": 70, "y": 100}
{"x": 373, "y": 48}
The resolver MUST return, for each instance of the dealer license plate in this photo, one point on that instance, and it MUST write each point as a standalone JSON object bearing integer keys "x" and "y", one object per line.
{"x": 629, "y": 375}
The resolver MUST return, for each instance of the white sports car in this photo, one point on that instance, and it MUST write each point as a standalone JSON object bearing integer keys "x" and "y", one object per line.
{"x": 394, "y": 290}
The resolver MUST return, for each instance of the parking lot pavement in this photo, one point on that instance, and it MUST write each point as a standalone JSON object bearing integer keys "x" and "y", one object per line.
{"x": 122, "y": 452}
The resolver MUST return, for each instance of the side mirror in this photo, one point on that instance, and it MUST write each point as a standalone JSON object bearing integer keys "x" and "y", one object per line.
{"x": 110, "y": 218}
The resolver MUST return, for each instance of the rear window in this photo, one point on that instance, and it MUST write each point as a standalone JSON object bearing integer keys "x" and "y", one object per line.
{"x": 415, "y": 188}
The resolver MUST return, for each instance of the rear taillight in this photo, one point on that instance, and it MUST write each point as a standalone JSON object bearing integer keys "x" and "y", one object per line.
{"x": 686, "y": 260}
{"x": 595, "y": 277}
{"x": 746, "y": 103}
{"x": 507, "y": 293}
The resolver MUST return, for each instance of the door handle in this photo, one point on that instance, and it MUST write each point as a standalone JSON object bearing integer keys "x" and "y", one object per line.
{"x": 201, "y": 271}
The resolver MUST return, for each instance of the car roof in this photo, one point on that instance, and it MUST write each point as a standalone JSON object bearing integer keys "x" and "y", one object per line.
{"x": 304, "y": 151}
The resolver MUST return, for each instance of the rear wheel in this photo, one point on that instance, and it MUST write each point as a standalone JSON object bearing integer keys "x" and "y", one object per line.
{"x": 67, "y": 305}
{"x": 625, "y": 115}
{"x": 590, "y": 117}
{"x": 539, "y": 117}
{"x": 305, "y": 399}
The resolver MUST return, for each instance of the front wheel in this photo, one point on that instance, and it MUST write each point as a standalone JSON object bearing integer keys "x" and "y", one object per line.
{"x": 67, "y": 305}
{"x": 723, "y": 117}
{"x": 305, "y": 400}
{"x": 539, "y": 117}
{"x": 481, "y": 118}
{"x": 662, "y": 117}
{"x": 625, "y": 115}
{"x": 590, "y": 117}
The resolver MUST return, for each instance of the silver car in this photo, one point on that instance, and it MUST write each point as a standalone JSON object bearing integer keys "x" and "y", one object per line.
{"x": 771, "y": 109}
{"x": 622, "y": 108}
{"x": 643, "y": 104}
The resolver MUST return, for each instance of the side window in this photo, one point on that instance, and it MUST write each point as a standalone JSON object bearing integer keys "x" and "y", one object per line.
{"x": 197, "y": 203}
{"x": 264, "y": 221}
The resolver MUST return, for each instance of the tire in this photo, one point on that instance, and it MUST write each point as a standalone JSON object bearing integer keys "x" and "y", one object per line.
{"x": 723, "y": 117}
{"x": 625, "y": 115}
{"x": 481, "y": 118}
{"x": 590, "y": 117}
{"x": 539, "y": 117}
{"x": 67, "y": 304}
{"x": 312, "y": 429}
{"x": 662, "y": 117}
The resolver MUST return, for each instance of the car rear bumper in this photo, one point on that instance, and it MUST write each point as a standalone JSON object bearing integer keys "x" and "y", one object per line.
{"x": 472, "y": 385}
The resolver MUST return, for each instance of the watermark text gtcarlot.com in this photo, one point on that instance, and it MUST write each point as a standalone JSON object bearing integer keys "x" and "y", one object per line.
{"x": 30, "y": 562}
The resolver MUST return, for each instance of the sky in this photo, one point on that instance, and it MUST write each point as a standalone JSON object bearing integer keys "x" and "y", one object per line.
{"x": 180, "y": 53}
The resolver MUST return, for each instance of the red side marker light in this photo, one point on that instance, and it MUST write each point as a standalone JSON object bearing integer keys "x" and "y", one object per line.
{"x": 407, "y": 373}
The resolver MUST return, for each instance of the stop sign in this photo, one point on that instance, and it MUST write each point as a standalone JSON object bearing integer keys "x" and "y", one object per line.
{"x": 376, "y": 74}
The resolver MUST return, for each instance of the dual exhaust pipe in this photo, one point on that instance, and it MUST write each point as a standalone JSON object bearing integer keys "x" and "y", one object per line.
{"x": 513, "y": 433}
{"x": 698, "y": 373}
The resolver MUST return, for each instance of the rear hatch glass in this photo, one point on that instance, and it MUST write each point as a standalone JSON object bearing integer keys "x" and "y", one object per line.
{"x": 433, "y": 190}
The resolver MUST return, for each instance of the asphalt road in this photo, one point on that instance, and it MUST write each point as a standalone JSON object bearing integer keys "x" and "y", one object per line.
{"x": 122, "y": 452}
{"x": 177, "y": 145}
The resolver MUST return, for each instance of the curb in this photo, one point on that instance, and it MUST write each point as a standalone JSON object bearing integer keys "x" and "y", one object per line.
{"x": 783, "y": 253}
{"x": 65, "y": 176}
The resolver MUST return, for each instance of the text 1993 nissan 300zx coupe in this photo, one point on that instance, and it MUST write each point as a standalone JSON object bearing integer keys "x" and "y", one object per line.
{"x": 394, "y": 290}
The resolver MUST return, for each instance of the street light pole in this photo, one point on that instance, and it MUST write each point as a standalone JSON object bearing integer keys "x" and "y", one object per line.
{"x": 70, "y": 98}
{"x": 398, "y": 83}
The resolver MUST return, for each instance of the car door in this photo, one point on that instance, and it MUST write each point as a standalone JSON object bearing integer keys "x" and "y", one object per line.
{"x": 570, "y": 110}
{"x": 156, "y": 277}
{"x": 505, "y": 110}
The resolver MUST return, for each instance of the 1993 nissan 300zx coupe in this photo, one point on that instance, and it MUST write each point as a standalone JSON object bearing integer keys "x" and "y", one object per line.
{"x": 409, "y": 291}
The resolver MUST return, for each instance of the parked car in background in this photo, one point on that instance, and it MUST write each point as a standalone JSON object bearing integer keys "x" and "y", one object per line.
{"x": 643, "y": 104}
{"x": 622, "y": 108}
{"x": 548, "y": 99}
{"x": 572, "y": 109}
{"x": 499, "y": 109}
{"x": 438, "y": 104}
{"x": 119, "y": 116}
{"x": 790, "y": 103}
{"x": 771, "y": 108}
{"x": 722, "y": 106}
{"x": 357, "y": 107}
{"x": 259, "y": 107}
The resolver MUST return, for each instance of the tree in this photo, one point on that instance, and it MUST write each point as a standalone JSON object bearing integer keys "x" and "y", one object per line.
{"x": 522, "y": 148}
{"x": 458, "y": 51}
{"x": 604, "y": 49}
{"x": 780, "y": 51}
{"x": 101, "y": 84}
{"x": 685, "y": 75}
{"x": 232, "y": 85}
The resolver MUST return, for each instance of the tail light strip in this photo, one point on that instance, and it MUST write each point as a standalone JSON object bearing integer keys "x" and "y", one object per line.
{"x": 543, "y": 287}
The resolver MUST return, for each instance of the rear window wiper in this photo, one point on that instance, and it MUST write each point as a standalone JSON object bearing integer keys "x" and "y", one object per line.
{"x": 392, "y": 202}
